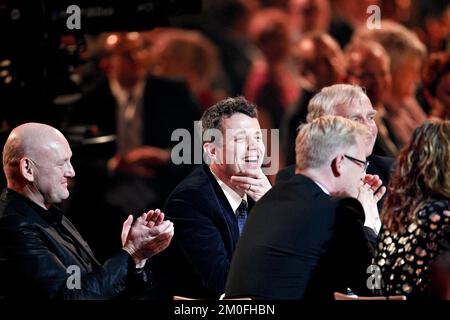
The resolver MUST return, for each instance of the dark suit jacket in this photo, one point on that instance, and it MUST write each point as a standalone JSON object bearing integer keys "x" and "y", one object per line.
{"x": 35, "y": 255}
{"x": 206, "y": 232}
{"x": 300, "y": 243}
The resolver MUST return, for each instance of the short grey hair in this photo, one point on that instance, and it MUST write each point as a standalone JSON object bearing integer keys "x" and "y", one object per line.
{"x": 329, "y": 98}
{"x": 319, "y": 141}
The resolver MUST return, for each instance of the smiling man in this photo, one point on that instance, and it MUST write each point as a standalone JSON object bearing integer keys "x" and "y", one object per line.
{"x": 209, "y": 208}
{"x": 39, "y": 246}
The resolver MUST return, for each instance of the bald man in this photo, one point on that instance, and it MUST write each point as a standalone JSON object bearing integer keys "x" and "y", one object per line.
{"x": 42, "y": 255}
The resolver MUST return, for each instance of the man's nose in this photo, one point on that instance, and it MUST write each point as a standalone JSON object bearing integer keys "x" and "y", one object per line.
{"x": 70, "y": 171}
{"x": 252, "y": 143}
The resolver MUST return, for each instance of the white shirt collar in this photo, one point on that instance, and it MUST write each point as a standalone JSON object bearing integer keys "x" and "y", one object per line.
{"x": 322, "y": 187}
{"x": 233, "y": 198}
{"x": 122, "y": 94}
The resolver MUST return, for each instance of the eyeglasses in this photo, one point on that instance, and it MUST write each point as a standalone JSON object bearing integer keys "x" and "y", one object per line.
{"x": 363, "y": 164}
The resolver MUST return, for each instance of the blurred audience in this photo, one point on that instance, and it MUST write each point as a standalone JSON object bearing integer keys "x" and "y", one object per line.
{"x": 141, "y": 111}
{"x": 230, "y": 23}
{"x": 177, "y": 53}
{"x": 320, "y": 63}
{"x": 271, "y": 81}
{"x": 348, "y": 15}
{"x": 407, "y": 54}
{"x": 436, "y": 84}
{"x": 308, "y": 16}
{"x": 368, "y": 66}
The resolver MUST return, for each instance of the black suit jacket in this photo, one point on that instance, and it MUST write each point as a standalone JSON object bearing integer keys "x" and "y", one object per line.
{"x": 35, "y": 256}
{"x": 300, "y": 243}
{"x": 197, "y": 261}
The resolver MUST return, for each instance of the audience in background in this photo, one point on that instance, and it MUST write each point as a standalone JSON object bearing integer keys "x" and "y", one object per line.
{"x": 436, "y": 84}
{"x": 407, "y": 53}
{"x": 320, "y": 63}
{"x": 177, "y": 54}
{"x": 271, "y": 84}
{"x": 368, "y": 66}
{"x": 141, "y": 112}
{"x": 308, "y": 16}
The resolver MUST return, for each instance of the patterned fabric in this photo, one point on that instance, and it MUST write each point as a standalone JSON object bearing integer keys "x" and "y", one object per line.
{"x": 404, "y": 258}
{"x": 241, "y": 214}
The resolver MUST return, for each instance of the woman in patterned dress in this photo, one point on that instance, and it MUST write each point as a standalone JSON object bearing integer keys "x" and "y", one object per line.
{"x": 416, "y": 213}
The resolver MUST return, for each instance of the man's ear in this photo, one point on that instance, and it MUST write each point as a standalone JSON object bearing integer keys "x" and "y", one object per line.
{"x": 26, "y": 169}
{"x": 336, "y": 166}
{"x": 211, "y": 150}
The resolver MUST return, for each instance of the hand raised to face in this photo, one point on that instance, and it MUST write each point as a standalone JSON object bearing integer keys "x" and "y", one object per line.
{"x": 253, "y": 182}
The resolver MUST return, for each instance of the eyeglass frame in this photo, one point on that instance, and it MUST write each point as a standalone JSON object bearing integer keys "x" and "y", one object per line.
{"x": 365, "y": 164}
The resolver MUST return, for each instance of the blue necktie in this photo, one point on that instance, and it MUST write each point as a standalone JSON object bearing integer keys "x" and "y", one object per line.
{"x": 241, "y": 214}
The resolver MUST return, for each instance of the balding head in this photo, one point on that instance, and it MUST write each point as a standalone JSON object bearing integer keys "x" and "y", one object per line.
{"x": 29, "y": 140}
{"x": 36, "y": 160}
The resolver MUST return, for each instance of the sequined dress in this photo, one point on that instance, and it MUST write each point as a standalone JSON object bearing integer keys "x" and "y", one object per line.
{"x": 404, "y": 258}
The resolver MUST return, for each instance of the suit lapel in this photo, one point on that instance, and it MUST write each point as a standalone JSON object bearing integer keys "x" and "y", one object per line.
{"x": 225, "y": 207}
{"x": 75, "y": 235}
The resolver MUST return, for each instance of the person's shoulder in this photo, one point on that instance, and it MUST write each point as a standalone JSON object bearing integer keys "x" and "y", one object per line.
{"x": 285, "y": 174}
{"x": 195, "y": 180}
{"x": 197, "y": 185}
{"x": 349, "y": 208}
{"x": 14, "y": 215}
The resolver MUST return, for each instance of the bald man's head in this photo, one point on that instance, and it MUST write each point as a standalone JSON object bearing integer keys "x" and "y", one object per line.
{"x": 28, "y": 139}
{"x": 36, "y": 160}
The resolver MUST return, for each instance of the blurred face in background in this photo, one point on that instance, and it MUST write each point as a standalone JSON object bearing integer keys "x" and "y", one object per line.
{"x": 321, "y": 62}
{"x": 125, "y": 63}
{"x": 309, "y": 15}
{"x": 406, "y": 76}
{"x": 443, "y": 93}
{"x": 372, "y": 72}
